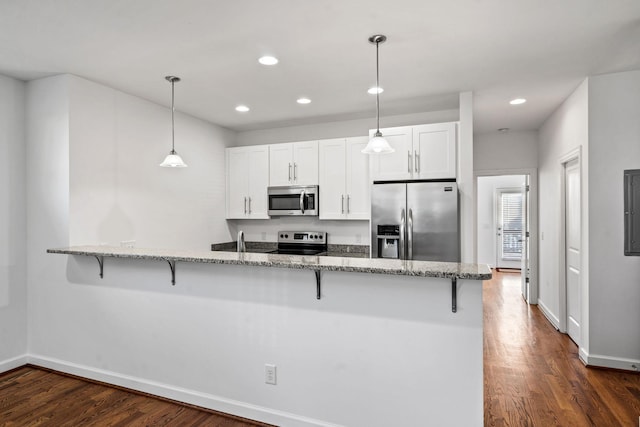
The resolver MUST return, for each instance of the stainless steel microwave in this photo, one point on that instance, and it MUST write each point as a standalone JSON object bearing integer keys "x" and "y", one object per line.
{"x": 293, "y": 200}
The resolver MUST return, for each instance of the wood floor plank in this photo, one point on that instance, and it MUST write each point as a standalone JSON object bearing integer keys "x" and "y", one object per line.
{"x": 32, "y": 396}
{"x": 533, "y": 375}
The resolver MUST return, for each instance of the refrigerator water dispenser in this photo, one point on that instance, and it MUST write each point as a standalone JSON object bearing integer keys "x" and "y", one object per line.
{"x": 388, "y": 241}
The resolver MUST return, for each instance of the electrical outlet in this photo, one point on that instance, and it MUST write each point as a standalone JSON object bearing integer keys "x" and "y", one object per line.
{"x": 264, "y": 235}
{"x": 358, "y": 238}
{"x": 270, "y": 374}
{"x": 128, "y": 244}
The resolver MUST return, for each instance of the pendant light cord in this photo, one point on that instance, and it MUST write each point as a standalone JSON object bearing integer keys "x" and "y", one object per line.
{"x": 173, "y": 136}
{"x": 377, "y": 89}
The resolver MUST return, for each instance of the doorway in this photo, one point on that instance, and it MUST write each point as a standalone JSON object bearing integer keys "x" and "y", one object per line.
{"x": 506, "y": 224}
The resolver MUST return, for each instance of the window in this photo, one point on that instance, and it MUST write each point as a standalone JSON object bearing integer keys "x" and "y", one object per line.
{"x": 510, "y": 224}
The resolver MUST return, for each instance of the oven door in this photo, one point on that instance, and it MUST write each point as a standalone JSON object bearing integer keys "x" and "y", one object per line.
{"x": 293, "y": 200}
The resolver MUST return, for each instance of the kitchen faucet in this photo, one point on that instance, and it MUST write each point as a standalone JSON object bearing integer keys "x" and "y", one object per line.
{"x": 240, "y": 244}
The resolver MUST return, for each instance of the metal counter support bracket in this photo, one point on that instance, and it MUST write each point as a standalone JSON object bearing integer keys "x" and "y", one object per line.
{"x": 172, "y": 266}
{"x": 101, "y": 263}
{"x": 317, "y": 283}
{"x": 454, "y": 295}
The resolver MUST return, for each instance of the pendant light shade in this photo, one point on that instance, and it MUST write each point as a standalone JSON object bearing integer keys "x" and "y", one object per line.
{"x": 173, "y": 159}
{"x": 377, "y": 144}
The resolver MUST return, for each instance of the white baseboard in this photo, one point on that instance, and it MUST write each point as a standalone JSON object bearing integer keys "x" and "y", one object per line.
{"x": 600, "y": 361}
{"x": 548, "y": 314}
{"x": 16, "y": 362}
{"x": 217, "y": 403}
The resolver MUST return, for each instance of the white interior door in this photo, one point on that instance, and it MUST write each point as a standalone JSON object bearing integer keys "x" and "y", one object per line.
{"x": 525, "y": 271}
{"x": 573, "y": 250}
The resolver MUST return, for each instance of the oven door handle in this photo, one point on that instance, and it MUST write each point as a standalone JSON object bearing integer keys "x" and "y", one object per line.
{"x": 302, "y": 195}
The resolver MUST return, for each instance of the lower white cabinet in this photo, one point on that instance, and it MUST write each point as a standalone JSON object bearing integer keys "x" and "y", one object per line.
{"x": 247, "y": 181}
{"x": 344, "y": 179}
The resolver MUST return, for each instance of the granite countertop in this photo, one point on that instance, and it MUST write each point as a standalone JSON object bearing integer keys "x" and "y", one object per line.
{"x": 323, "y": 263}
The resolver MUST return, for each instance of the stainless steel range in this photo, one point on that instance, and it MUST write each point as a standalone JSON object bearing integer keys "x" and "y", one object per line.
{"x": 301, "y": 243}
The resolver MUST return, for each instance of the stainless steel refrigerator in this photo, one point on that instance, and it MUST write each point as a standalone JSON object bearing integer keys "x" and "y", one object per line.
{"x": 415, "y": 220}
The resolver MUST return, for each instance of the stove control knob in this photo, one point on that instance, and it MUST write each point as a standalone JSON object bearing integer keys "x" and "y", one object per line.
{"x": 286, "y": 236}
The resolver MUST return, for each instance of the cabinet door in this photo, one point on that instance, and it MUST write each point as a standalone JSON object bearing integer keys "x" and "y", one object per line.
{"x": 258, "y": 171}
{"x": 396, "y": 165}
{"x": 237, "y": 182}
{"x": 280, "y": 164}
{"x": 358, "y": 185}
{"x": 332, "y": 177}
{"x": 305, "y": 163}
{"x": 435, "y": 151}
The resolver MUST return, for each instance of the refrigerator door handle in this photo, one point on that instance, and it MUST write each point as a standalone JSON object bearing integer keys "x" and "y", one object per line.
{"x": 402, "y": 235}
{"x": 410, "y": 236}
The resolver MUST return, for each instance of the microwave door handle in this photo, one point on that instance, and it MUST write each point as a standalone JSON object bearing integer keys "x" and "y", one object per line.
{"x": 302, "y": 202}
{"x": 402, "y": 234}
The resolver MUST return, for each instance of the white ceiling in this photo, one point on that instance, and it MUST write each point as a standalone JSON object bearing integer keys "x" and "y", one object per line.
{"x": 499, "y": 49}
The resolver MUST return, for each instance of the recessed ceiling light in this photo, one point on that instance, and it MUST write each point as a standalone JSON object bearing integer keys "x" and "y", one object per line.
{"x": 503, "y": 130}
{"x": 517, "y": 101}
{"x": 242, "y": 108}
{"x": 303, "y": 101}
{"x": 374, "y": 90}
{"x": 268, "y": 60}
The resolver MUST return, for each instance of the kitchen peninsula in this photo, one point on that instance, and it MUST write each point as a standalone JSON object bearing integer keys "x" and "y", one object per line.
{"x": 383, "y": 329}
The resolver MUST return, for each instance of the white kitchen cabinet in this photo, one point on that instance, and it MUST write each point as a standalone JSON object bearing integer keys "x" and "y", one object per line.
{"x": 344, "y": 179}
{"x": 434, "y": 151}
{"x": 422, "y": 152}
{"x": 293, "y": 163}
{"x": 393, "y": 166}
{"x": 247, "y": 178}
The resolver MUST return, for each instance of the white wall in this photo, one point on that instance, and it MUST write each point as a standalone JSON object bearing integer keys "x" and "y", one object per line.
{"x": 117, "y": 190}
{"x": 564, "y": 131}
{"x": 13, "y": 293}
{"x": 487, "y": 239}
{"x": 341, "y": 129}
{"x": 614, "y": 280}
{"x": 505, "y": 150}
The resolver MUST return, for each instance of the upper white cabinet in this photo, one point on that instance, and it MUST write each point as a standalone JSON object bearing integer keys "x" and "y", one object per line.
{"x": 247, "y": 180}
{"x": 344, "y": 179}
{"x": 422, "y": 152}
{"x": 293, "y": 163}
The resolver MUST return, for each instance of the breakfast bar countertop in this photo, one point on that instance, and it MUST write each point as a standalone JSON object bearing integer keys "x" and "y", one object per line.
{"x": 449, "y": 270}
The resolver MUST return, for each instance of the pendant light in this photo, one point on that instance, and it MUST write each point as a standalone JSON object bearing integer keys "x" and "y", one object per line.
{"x": 377, "y": 144}
{"x": 173, "y": 160}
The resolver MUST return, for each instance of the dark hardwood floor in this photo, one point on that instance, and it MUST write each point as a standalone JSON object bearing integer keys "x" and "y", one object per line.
{"x": 532, "y": 374}
{"x": 532, "y": 377}
{"x": 31, "y": 396}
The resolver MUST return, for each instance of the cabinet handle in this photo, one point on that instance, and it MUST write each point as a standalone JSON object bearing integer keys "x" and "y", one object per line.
{"x": 409, "y": 161}
{"x": 295, "y": 171}
{"x": 416, "y": 161}
{"x": 249, "y": 205}
{"x": 245, "y": 205}
{"x": 289, "y": 171}
{"x": 342, "y": 203}
{"x": 348, "y": 204}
